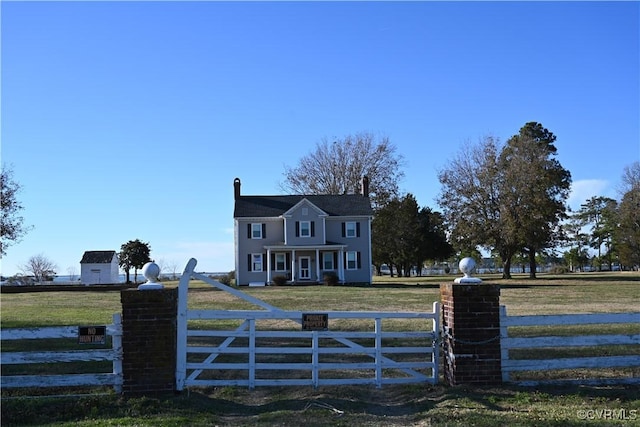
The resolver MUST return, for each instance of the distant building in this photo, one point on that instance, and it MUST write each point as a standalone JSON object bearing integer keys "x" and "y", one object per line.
{"x": 99, "y": 268}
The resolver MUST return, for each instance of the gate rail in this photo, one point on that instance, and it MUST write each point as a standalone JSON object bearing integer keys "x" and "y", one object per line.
{"x": 365, "y": 357}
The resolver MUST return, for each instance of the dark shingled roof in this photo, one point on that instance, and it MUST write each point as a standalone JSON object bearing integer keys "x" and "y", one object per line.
{"x": 97, "y": 257}
{"x": 274, "y": 206}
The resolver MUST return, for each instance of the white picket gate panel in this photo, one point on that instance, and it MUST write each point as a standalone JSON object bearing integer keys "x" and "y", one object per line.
{"x": 381, "y": 364}
{"x": 44, "y": 357}
{"x": 513, "y": 365}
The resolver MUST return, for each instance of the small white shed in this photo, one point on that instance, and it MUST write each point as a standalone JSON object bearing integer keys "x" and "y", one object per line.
{"x": 99, "y": 268}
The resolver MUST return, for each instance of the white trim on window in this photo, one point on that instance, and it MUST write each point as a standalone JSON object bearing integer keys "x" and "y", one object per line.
{"x": 305, "y": 228}
{"x": 256, "y": 230}
{"x": 327, "y": 261}
{"x": 256, "y": 262}
{"x": 351, "y": 229}
{"x": 352, "y": 260}
{"x": 281, "y": 262}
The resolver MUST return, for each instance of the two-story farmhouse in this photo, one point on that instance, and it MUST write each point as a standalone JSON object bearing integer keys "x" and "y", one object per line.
{"x": 302, "y": 237}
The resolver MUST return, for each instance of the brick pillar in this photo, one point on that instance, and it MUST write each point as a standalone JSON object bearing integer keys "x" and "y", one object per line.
{"x": 149, "y": 340}
{"x": 471, "y": 321}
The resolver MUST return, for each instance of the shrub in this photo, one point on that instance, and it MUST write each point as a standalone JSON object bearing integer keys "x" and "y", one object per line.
{"x": 225, "y": 279}
{"x": 330, "y": 278}
{"x": 559, "y": 269}
{"x": 279, "y": 280}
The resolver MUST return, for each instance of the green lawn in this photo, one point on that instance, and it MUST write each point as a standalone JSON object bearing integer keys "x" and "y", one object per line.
{"x": 419, "y": 405}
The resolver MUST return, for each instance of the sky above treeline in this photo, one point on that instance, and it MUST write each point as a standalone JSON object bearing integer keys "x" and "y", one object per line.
{"x": 130, "y": 120}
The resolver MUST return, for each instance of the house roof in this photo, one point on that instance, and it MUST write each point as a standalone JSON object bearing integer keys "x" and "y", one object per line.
{"x": 275, "y": 206}
{"x": 97, "y": 257}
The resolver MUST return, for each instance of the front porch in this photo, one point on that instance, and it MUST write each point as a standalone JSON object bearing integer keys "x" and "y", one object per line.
{"x": 304, "y": 265}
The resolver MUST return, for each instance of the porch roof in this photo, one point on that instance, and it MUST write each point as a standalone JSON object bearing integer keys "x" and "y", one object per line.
{"x": 326, "y": 247}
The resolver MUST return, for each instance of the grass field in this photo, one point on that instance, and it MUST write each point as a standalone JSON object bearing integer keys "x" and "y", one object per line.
{"x": 419, "y": 405}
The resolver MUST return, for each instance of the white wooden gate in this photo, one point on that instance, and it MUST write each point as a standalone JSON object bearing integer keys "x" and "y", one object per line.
{"x": 253, "y": 354}
{"x": 113, "y": 354}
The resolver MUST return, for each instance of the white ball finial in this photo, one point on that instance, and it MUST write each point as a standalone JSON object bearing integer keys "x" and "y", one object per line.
{"x": 151, "y": 271}
{"x": 467, "y": 265}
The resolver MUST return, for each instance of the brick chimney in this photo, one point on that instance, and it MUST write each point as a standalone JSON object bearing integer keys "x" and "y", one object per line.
{"x": 365, "y": 186}
{"x": 236, "y": 188}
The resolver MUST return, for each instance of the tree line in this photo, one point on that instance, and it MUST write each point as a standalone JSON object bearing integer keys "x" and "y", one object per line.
{"x": 508, "y": 199}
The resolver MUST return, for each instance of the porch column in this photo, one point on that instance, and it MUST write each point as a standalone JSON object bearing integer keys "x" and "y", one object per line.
{"x": 341, "y": 264}
{"x": 293, "y": 265}
{"x": 268, "y": 266}
{"x": 317, "y": 264}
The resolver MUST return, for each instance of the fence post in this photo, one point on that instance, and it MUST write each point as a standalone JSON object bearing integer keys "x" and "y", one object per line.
{"x": 471, "y": 331}
{"x": 149, "y": 340}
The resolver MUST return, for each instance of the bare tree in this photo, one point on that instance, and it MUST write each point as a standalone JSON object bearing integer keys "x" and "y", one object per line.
{"x": 40, "y": 267}
{"x": 73, "y": 273}
{"x": 630, "y": 178}
{"x": 507, "y": 198}
{"x": 470, "y": 199}
{"x": 627, "y": 234}
{"x": 172, "y": 266}
{"x": 12, "y": 226}
{"x": 337, "y": 167}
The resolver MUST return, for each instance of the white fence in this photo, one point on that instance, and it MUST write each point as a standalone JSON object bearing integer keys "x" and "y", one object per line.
{"x": 114, "y": 354}
{"x": 261, "y": 356}
{"x": 537, "y": 342}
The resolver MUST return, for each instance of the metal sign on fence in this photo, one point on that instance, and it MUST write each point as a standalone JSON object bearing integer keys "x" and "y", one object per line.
{"x": 92, "y": 334}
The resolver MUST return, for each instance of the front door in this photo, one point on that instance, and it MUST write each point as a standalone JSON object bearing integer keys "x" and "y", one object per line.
{"x": 305, "y": 268}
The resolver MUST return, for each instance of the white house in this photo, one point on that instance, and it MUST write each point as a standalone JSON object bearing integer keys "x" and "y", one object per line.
{"x": 302, "y": 238}
{"x": 99, "y": 268}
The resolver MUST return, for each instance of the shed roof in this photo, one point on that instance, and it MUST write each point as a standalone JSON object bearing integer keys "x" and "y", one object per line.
{"x": 97, "y": 257}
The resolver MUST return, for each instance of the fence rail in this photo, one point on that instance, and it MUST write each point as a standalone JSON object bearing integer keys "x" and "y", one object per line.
{"x": 589, "y": 362}
{"x": 114, "y": 354}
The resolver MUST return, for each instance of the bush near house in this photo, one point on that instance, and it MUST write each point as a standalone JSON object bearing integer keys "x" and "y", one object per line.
{"x": 330, "y": 278}
{"x": 279, "y": 280}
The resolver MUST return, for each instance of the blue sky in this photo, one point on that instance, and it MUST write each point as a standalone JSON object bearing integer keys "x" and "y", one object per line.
{"x": 127, "y": 120}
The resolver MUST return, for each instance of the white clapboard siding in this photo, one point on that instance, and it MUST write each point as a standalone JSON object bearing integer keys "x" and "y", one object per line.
{"x": 374, "y": 359}
{"x": 113, "y": 355}
{"x": 509, "y": 343}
